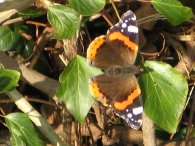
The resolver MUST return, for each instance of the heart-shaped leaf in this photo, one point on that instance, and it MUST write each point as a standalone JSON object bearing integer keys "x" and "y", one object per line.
{"x": 22, "y": 130}
{"x": 87, "y": 7}
{"x": 164, "y": 92}
{"x": 173, "y": 10}
{"x": 74, "y": 90}
{"x": 64, "y": 20}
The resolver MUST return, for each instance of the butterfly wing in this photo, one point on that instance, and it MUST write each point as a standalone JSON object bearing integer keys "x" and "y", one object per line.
{"x": 126, "y": 26}
{"x": 119, "y": 46}
{"x": 122, "y": 93}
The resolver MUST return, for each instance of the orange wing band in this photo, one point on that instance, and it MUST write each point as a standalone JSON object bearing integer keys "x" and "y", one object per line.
{"x": 94, "y": 46}
{"x": 119, "y": 36}
{"x": 123, "y": 105}
{"x": 95, "y": 91}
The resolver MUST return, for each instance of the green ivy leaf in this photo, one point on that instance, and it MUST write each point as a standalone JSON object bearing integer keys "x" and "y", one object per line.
{"x": 8, "y": 39}
{"x": 11, "y": 40}
{"x": 64, "y": 20}
{"x": 25, "y": 47}
{"x": 173, "y": 10}
{"x": 22, "y": 130}
{"x": 8, "y": 79}
{"x": 87, "y": 7}
{"x": 74, "y": 90}
{"x": 164, "y": 92}
{"x": 31, "y": 12}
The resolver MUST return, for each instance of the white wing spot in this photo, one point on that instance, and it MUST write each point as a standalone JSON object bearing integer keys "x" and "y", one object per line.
{"x": 138, "y": 110}
{"x": 132, "y": 28}
{"x": 129, "y": 115}
{"x": 124, "y": 25}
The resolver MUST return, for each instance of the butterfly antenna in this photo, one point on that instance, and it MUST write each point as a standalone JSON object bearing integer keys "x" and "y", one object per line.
{"x": 115, "y": 9}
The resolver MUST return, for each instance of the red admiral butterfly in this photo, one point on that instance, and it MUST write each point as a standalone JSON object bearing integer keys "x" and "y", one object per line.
{"x": 115, "y": 53}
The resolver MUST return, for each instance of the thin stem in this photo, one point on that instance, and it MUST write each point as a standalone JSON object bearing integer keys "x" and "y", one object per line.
{"x": 115, "y": 9}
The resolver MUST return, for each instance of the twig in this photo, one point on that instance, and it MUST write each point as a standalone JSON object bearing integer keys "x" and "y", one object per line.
{"x": 115, "y": 9}
{"x": 41, "y": 42}
{"x": 148, "y": 131}
{"x": 192, "y": 111}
